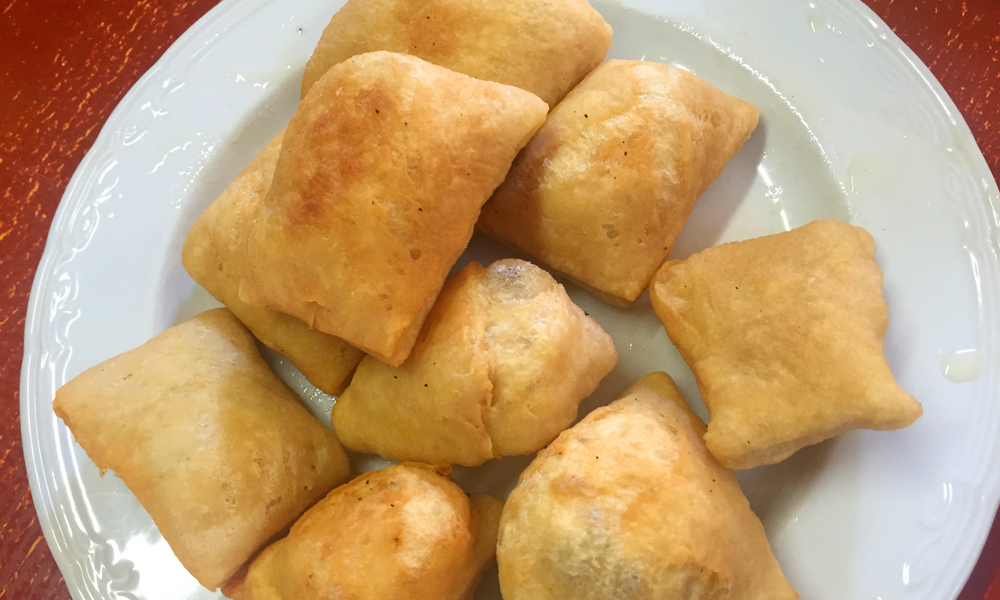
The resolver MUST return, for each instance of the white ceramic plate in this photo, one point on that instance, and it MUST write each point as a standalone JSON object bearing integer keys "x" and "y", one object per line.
{"x": 853, "y": 126}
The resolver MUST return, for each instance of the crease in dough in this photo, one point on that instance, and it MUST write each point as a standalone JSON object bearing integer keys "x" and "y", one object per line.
{"x": 220, "y": 453}
{"x": 501, "y": 365}
{"x": 628, "y": 504}
{"x": 380, "y": 179}
{"x": 406, "y": 531}
{"x": 543, "y": 46}
{"x": 212, "y": 253}
{"x": 784, "y": 334}
{"x": 604, "y": 188}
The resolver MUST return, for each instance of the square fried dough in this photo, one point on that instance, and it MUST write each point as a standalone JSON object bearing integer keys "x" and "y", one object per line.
{"x": 212, "y": 253}
{"x": 543, "y": 46}
{"x": 404, "y": 532}
{"x": 500, "y": 368}
{"x": 217, "y": 449}
{"x": 604, "y": 188}
{"x": 382, "y": 173}
{"x": 629, "y": 504}
{"x": 784, "y": 334}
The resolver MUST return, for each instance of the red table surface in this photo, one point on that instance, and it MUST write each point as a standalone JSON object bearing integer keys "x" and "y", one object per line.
{"x": 65, "y": 65}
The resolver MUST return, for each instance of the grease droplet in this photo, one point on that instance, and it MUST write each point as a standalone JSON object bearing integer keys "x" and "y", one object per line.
{"x": 816, "y": 18}
{"x": 962, "y": 366}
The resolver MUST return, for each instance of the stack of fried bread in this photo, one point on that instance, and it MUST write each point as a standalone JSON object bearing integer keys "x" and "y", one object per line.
{"x": 418, "y": 123}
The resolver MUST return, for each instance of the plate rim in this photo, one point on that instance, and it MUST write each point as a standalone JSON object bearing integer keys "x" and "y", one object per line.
{"x": 223, "y": 15}
{"x": 227, "y": 14}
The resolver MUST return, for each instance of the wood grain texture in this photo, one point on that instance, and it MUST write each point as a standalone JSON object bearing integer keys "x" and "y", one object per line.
{"x": 65, "y": 65}
{"x": 959, "y": 40}
{"x": 63, "y": 68}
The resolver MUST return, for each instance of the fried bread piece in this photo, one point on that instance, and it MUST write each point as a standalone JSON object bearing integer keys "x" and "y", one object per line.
{"x": 382, "y": 173}
{"x": 604, "y": 188}
{"x": 405, "y": 531}
{"x": 503, "y": 362}
{"x": 217, "y": 449}
{"x": 629, "y": 503}
{"x": 543, "y": 46}
{"x": 784, "y": 335}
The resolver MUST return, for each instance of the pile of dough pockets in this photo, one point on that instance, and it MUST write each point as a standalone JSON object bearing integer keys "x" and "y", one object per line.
{"x": 340, "y": 247}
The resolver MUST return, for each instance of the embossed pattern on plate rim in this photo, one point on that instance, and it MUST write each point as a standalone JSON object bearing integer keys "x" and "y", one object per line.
{"x": 90, "y": 567}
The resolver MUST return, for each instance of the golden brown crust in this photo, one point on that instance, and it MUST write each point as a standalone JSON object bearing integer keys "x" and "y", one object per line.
{"x": 381, "y": 176}
{"x": 503, "y": 362}
{"x": 630, "y": 504}
{"x": 603, "y": 189}
{"x": 403, "y": 532}
{"x": 543, "y": 46}
{"x": 220, "y": 453}
{"x": 430, "y": 408}
{"x": 784, "y": 335}
{"x": 211, "y": 255}
{"x": 546, "y": 356}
